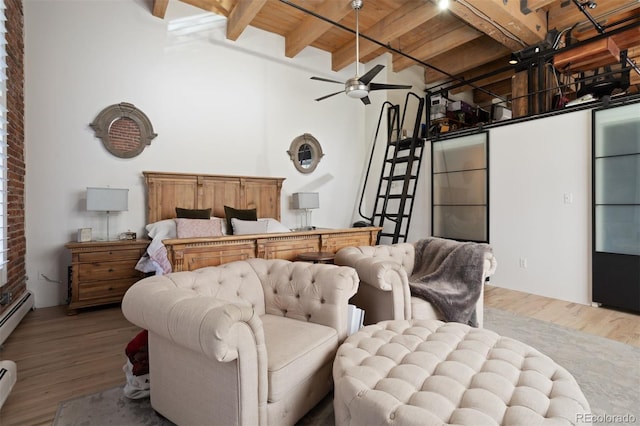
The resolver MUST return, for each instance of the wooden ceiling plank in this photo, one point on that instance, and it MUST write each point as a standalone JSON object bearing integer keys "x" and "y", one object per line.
{"x": 501, "y": 88}
{"x": 435, "y": 47}
{"x": 531, "y": 28}
{"x": 485, "y": 69}
{"x": 311, "y": 28}
{"x": 160, "y": 8}
{"x": 241, "y": 16}
{"x": 400, "y": 21}
{"x": 466, "y": 57}
{"x": 213, "y": 6}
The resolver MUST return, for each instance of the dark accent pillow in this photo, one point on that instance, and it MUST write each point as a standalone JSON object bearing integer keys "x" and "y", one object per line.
{"x": 193, "y": 213}
{"x": 229, "y": 212}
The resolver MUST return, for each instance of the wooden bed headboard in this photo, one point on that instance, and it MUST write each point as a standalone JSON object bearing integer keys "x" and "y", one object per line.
{"x": 166, "y": 191}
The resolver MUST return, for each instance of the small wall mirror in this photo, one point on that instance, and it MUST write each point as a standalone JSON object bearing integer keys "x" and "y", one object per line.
{"x": 305, "y": 152}
{"x": 124, "y": 130}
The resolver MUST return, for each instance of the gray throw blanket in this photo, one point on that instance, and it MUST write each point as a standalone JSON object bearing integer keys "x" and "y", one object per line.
{"x": 448, "y": 274}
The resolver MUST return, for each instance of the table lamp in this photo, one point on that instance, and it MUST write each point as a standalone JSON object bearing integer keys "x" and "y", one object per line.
{"x": 306, "y": 201}
{"x": 107, "y": 200}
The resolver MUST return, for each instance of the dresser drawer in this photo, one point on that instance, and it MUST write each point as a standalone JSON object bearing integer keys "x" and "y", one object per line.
{"x": 98, "y": 271}
{"x": 107, "y": 290}
{"x": 101, "y": 256}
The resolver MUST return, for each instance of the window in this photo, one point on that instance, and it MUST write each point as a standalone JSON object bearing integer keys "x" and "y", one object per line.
{"x": 3, "y": 146}
{"x": 460, "y": 189}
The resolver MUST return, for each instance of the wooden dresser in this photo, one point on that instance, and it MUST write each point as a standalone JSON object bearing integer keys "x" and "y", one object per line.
{"x": 102, "y": 271}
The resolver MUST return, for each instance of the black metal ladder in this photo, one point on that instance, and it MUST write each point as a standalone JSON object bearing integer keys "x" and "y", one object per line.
{"x": 399, "y": 174}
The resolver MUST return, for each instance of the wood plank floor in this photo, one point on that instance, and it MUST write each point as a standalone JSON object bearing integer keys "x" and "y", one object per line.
{"x": 61, "y": 357}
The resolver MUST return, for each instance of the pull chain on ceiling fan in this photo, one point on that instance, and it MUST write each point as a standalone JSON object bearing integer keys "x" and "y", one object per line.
{"x": 359, "y": 87}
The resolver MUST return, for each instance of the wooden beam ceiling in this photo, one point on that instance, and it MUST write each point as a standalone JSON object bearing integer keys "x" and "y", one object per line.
{"x": 472, "y": 37}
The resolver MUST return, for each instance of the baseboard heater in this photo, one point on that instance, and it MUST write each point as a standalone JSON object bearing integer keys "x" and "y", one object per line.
{"x": 12, "y": 316}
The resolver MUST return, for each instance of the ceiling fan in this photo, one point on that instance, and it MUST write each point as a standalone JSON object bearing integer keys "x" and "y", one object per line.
{"x": 359, "y": 87}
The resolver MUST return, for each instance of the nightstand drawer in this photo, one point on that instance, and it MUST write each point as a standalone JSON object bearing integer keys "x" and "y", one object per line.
{"x": 112, "y": 289}
{"x": 98, "y": 271}
{"x": 102, "y": 271}
{"x": 102, "y": 256}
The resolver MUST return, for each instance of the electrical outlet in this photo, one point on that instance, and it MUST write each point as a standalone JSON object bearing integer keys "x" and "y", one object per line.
{"x": 568, "y": 198}
{"x": 523, "y": 262}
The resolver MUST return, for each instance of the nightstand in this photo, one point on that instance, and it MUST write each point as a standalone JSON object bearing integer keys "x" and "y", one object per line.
{"x": 102, "y": 271}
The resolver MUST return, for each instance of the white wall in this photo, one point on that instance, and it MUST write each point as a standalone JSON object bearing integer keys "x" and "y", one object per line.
{"x": 234, "y": 108}
{"x": 218, "y": 107}
{"x": 532, "y": 166}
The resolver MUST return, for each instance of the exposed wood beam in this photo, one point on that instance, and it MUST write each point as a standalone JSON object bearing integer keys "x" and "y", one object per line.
{"x": 213, "y": 6}
{"x": 563, "y": 15}
{"x": 466, "y": 57}
{"x": 528, "y": 6}
{"x": 400, "y": 21}
{"x": 311, "y": 28}
{"x": 160, "y": 8}
{"x": 241, "y": 16}
{"x": 480, "y": 24}
{"x": 531, "y": 28}
{"x": 435, "y": 47}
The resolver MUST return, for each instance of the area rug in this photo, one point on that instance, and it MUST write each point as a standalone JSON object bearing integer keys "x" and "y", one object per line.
{"x": 608, "y": 373}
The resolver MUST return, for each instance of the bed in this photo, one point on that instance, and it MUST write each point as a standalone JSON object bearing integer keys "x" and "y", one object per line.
{"x": 166, "y": 191}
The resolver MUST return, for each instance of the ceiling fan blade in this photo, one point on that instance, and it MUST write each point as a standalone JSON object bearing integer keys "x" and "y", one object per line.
{"x": 365, "y": 79}
{"x": 365, "y": 100}
{"x": 328, "y": 96}
{"x": 327, "y": 80}
{"x": 377, "y": 86}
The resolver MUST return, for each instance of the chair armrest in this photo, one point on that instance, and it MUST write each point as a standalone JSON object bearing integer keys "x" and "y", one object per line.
{"x": 383, "y": 273}
{"x": 215, "y": 328}
{"x": 490, "y": 264}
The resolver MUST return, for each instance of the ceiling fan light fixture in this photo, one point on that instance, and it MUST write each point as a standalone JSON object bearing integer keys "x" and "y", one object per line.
{"x": 354, "y": 88}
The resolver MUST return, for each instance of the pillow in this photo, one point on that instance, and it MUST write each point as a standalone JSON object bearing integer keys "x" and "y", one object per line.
{"x": 230, "y": 213}
{"x": 274, "y": 226}
{"x": 193, "y": 213}
{"x": 162, "y": 229}
{"x": 193, "y": 228}
{"x": 242, "y": 227}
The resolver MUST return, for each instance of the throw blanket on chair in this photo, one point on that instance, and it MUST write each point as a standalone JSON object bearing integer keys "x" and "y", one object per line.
{"x": 448, "y": 274}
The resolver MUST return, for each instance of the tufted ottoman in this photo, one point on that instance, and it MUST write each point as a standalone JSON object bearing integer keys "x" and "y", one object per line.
{"x": 427, "y": 372}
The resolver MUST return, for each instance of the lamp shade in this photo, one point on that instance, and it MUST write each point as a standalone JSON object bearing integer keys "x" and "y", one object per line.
{"x": 107, "y": 199}
{"x": 306, "y": 200}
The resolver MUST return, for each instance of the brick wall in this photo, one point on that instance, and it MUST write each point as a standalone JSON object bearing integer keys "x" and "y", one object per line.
{"x": 16, "y": 273}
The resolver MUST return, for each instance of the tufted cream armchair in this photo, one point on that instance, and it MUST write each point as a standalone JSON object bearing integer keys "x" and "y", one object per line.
{"x": 245, "y": 343}
{"x": 384, "y": 292}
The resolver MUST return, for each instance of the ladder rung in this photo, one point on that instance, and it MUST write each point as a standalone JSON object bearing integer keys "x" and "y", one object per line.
{"x": 386, "y": 234}
{"x": 406, "y": 143}
{"x": 394, "y": 216}
{"x": 400, "y": 159}
{"x": 399, "y": 177}
{"x": 396, "y": 196}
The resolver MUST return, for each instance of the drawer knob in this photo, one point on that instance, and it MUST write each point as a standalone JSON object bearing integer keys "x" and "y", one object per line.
{"x": 110, "y": 269}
